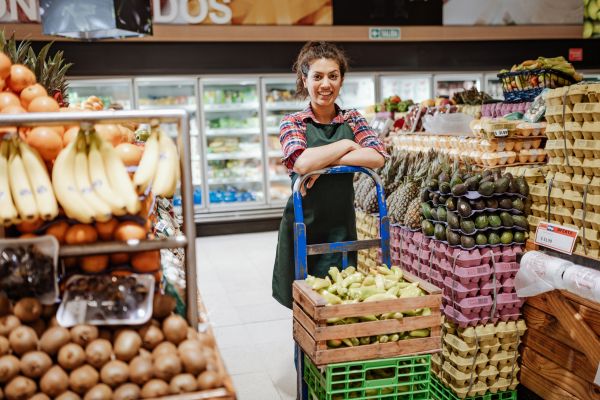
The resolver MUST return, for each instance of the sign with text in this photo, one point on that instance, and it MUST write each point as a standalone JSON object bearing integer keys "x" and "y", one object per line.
{"x": 381, "y": 33}
{"x": 556, "y": 237}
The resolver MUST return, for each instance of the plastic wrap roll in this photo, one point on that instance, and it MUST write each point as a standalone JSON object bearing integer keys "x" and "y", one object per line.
{"x": 584, "y": 282}
{"x": 539, "y": 273}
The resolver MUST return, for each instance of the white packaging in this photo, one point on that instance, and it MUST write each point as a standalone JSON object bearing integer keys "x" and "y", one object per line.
{"x": 540, "y": 273}
{"x": 584, "y": 282}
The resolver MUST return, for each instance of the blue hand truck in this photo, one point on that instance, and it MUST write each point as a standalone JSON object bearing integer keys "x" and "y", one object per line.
{"x": 302, "y": 250}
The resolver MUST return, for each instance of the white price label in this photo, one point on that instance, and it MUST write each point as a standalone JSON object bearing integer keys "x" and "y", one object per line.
{"x": 501, "y": 133}
{"x": 556, "y": 237}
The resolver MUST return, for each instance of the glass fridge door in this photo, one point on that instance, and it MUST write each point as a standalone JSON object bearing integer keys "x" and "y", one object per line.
{"x": 493, "y": 86}
{"x": 358, "y": 91}
{"x": 110, "y": 91}
{"x": 278, "y": 100}
{"x": 409, "y": 87}
{"x": 178, "y": 93}
{"x": 232, "y": 139}
{"x": 448, "y": 84}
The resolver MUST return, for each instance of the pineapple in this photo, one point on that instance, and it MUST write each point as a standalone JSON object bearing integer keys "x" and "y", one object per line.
{"x": 412, "y": 218}
{"x": 371, "y": 205}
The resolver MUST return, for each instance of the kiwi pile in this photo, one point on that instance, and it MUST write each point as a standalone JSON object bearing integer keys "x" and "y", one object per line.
{"x": 470, "y": 209}
{"x": 39, "y": 359}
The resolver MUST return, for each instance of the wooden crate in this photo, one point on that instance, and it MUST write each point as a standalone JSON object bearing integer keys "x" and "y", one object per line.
{"x": 312, "y": 332}
{"x": 561, "y": 347}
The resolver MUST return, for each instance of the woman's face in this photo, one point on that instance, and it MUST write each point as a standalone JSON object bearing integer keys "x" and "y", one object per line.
{"x": 323, "y": 82}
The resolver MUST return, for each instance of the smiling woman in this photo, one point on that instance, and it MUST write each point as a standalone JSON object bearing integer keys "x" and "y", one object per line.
{"x": 320, "y": 136}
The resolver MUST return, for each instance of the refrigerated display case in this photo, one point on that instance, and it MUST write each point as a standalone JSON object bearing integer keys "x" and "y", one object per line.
{"x": 409, "y": 87}
{"x": 233, "y": 142}
{"x": 493, "y": 86}
{"x": 448, "y": 84}
{"x": 358, "y": 91}
{"x": 110, "y": 91}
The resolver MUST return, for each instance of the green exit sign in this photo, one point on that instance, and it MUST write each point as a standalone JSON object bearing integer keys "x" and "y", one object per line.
{"x": 384, "y": 33}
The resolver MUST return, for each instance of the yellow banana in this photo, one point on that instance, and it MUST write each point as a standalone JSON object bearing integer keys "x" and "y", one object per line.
{"x": 8, "y": 212}
{"x": 119, "y": 178}
{"x": 40, "y": 182}
{"x": 147, "y": 166}
{"x": 20, "y": 188}
{"x": 166, "y": 168}
{"x": 102, "y": 212}
{"x": 65, "y": 188}
{"x": 100, "y": 181}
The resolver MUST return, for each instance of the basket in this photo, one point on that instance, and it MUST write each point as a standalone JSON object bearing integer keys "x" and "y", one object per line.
{"x": 402, "y": 378}
{"x": 526, "y": 85}
{"x": 440, "y": 392}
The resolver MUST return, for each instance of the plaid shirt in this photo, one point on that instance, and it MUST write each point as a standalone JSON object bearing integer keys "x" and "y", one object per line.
{"x": 292, "y": 133}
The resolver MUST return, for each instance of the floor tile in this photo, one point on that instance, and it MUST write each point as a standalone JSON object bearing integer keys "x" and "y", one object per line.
{"x": 255, "y": 386}
{"x": 271, "y": 311}
{"x": 271, "y": 331}
{"x": 243, "y": 359}
{"x": 231, "y": 336}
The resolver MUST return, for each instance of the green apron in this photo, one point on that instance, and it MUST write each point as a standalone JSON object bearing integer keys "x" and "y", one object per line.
{"x": 328, "y": 215}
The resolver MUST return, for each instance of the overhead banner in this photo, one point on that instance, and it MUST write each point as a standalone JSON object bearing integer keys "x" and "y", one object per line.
{"x": 220, "y": 12}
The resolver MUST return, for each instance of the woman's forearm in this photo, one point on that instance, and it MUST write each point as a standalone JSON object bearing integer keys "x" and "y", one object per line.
{"x": 363, "y": 157}
{"x": 316, "y": 158}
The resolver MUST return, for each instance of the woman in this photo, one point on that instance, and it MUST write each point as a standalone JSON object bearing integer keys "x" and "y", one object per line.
{"x": 321, "y": 136}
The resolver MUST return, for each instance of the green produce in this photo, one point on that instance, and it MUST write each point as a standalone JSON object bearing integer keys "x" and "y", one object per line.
{"x": 467, "y": 242}
{"x": 491, "y": 203}
{"x": 480, "y": 239}
{"x": 451, "y": 204}
{"x": 481, "y": 222}
{"x": 486, "y": 188}
{"x": 518, "y": 204}
{"x": 436, "y": 200}
{"x": 433, "y": 185}
{"x": 494, "y": 221}
{"x": 520, "y": 221}
{"x": 459, "y": 189}
{"x": 452, "y": 237}
{"x": 467, "y": 226}
{"x": 493, "y": 238}
{"x": 512, "y": 186}
{"x": 442, "y": 200}
{"x": 507, "y": 219}
{"x": 424, "y": 196}
{"x": 433, "y": 213}
{"x": 427, "y": 228}
{"x": 456, "y": 180}
{"x": 441, "y": 214}
{"x": 506, "y": 237}
{"x": 473, "y": 182}
{"x": 478, "y": 204}
{"x": 505, "y": 203}
{"x": 453, "y": 220}
{"x": 519, "y": 237}
{"x": 443, "y": 177}
{"x": 502, "y": 185}
{"x": 523, "y": 186}
{"x": 426, "y": 210}
{"x": 464, "y": 208}
{"x": 445, "y": 187}
{"x": 439, "y": 232}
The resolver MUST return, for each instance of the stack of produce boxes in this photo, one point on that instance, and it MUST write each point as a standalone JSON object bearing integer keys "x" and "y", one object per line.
{"x": 570, "y": 195}
{"x": 367, "y": 227}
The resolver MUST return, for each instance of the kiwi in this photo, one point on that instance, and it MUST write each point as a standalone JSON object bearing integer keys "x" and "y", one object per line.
{"x": 28, "y": 309}
{"x": 20, "y": 388}
{"x": 167, "y": 366}
{"x": 71, "y": 356}
{"x": 163, "y": 305}
{"x": 83, "y": 379}
{"x": 4, "y": 346}
{"x": 68, "y": 395}
{"x": 151, "y": 336}
{"x": 53, "y": 339}
{"x": 127, "y": 391}
{"x": 206, "y": 339}
{"x": 141, "y": 370}
{"x": 9, "y": 368}
{"x": 54, "y": 382}
{"x": 154, "y": 388}
{"x": 35, "y": 364}
{"x": 192, "y": 334}
{"x": 23, "y": 339}
{"x": 127, "y": 345}
{"x": 183, "y": 383}
{"x": 99, "y": 392}
{"x": 8, "y": 324}
{"x": 209, "y": 380}
{"x": 40, "y": 396}
{"x": 84, "y": 334}
{"x": 164, "y": 348}
{"x": 114, "y": 373}
{"x": 39, "y": 326}
{"x": 193, "y": 361}
{"x": 175, "y": 329}
{"x": 98, "y": 352}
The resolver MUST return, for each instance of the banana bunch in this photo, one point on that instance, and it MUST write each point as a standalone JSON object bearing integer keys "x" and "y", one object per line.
{"x": 159, "y": 167}
{"x": 91, "y": 182}
{"x": 25, "y": 189}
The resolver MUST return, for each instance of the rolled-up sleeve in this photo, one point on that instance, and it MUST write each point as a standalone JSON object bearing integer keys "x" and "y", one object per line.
{"x": 364, "y": 134}
{"x": 292, "y": 136}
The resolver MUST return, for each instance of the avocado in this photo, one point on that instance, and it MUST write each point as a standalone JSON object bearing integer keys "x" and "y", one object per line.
{"x": 459, "y": 189}
{"x": 487, "y": 173}
{"x": 507, "y": 219}
{"x": 433, "y": 213}
{"x": 443, "y": 177}
{"x": 442, "y": 200}
{"x": 451, "y": 204}
{"x": 517, "y": 204}
{"x": 519, "y": 237}
{"x": 494, "y": 221}
{"x": 467, "y": 242}
{"x": 506, "y": 237}
{"x": 478, "y": 204}
{"x": 424, "y": 195}
{"x": 497, "y": 174}
{"x": 473, "y": 182}
{"x": 464, "y": 209}
{"x": 427, "y": 228}
{"x": 453, "y": 238}
{"x": 436, "y": 200}
{"x": 433, "y": 184}
{"x": 445, "y": 187}
{"x": 520, "y": 221}
{"x": 512, "y": 186}
{"x": 486, "y": 188}
{"x": 493, "y": 238}
{"x": 508, "y": 175}
{"x": 441, "y": 213}
{"x": 491, "y": 203}
{"x": 522, "y": 186}
{"x": 467, "y": 226}
{"x": 481, "y": 222}
{"x": 426, "y": 210}
{"x": 439, "y": 232}
{"x": 432, "y": 195}
{"x": 502, "y": 185}
{"x": 505, "y": 203}
{"x": 481, "y": 239}
{"x": 453, "y": 220}
{"x": 456, "y": 180}
{"x": 485, "y": 179}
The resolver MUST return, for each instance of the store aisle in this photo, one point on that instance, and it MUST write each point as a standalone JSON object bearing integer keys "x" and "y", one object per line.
{"x": 253, "y": 331}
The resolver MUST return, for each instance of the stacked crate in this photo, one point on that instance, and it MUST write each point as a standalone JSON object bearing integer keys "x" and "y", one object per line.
{"x": 367, "y": 227}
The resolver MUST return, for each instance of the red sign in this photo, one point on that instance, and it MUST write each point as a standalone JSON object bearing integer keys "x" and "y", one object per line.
{"x": 575, "y": 54}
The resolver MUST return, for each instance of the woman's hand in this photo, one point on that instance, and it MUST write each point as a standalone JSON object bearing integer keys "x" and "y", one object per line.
{"x": 308, "y": 184}
{"x": 362, "y": 157}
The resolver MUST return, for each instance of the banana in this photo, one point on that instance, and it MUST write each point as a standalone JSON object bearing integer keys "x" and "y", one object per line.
{"x": 100, "y": 181}
{"x": 8, "y": 212}
{"x": 20, "y": 187}
{"x": 40, "y": 182}
{"x": 119, "y": 178}
{"x": 65, "y": 188}
{"x": 82, "y": 180}
{"x": 166, "y": 168}
{"x": 147, "y": 168}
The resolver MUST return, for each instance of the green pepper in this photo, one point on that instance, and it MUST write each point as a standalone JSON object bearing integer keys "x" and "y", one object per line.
{"x": 420, "y": 333}
{"x": 379, "y": 297}
{"x": 395, "y": 337}
{"x": 365, "y": 340}
{"x": 320, "y": 283}
{"x": 356, "y": 277}
{"x": 334, "y": 272}
{"x": 384, "y": 270}
{"x": 369, "y": 281}
{"x": 355, "y": 341}
{"x": 335, "y": 343}
{"x": 384, "y": 338}
{"x": 394, "y": 290}
{"x": 347, "y": 342}
{"x": 363, "y": 292}
{"x": 368, "y": 318}
{"x": 330, "y": 297}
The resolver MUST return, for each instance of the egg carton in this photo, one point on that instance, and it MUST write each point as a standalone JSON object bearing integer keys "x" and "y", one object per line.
{"x": 590, "y": 130}
{"x": 465, "y": 258}
{"x": 462, "y": 379}
{"x": 578, "y": 93}
{"x": 483, "y": 305}
{"x": 593, "y": 92}
{"x": 481, "y": 274}
{"x": 464, "y": 321}
{"x": 458, "y": 291}
{"x": 492, "y": 382}
{"x": 586, "y": 148}
{"x": 532, "y": 156}
{"x": 588, "y": 112}
{"x": 554, "y": 97}
{"x": 457, "y": 345}
{"x": 587, "y": 252}
{"x": 559, "y": 148}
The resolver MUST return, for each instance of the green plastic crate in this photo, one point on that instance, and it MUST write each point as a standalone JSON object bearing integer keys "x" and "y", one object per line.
{"x": 441, "y": 392}
{"x": 403, "y": 378}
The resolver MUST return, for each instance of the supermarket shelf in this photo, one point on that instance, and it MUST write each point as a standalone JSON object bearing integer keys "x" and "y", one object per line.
{"x": 232, "y": 156}
{"x": 225, "y": 181}
{"x": 186, "y": 107}
{"x": 275, "y": 153}
{"x": 273, "y": 130}
{"x": 284, "y": 106}
{"x": 230, "y": 107}
{"x": 122, "y": 247}
{"x": 232, "y": 131}
{"x": 279, "y": 178}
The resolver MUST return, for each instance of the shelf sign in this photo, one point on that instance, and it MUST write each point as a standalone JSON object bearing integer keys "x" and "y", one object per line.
{"x": 381, "y": 33}
{"x": 556, "y": 237}
{"x": 501, "y": 133}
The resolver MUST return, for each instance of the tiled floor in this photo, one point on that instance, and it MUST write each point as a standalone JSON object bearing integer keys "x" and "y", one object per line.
{"x": 254, "y": 332}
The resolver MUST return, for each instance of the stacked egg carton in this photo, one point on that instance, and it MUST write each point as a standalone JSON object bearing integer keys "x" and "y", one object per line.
{"x": 481, "y": 359}
{"x": 573, "y": 180}
{"x": 367, "y": 227}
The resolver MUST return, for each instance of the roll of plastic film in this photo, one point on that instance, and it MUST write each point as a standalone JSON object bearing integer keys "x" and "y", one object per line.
{"x": 540, "y": 273}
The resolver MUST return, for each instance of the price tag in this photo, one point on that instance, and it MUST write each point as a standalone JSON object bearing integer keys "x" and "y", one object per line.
{"x": 556, "y": 237}
{"x": 161, "y": 226}
{"x": 501, "y": 133}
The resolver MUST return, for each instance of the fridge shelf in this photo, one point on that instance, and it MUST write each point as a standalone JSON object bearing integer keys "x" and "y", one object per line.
{"x": 231, "y": 107}
{"x": 232, "y": 156}
{"x": 225, "y": 181}
{"x": 285, "y": 106}
{"x": 275, "y": 153}
{"x": 187, "y": 107}
{"x": 279, "y": 178}
{"x": 232, "y": 132}
{"x": 273, "y": 130}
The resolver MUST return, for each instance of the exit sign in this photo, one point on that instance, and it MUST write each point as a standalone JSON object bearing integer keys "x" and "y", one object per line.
{"x": 384, "y": 33}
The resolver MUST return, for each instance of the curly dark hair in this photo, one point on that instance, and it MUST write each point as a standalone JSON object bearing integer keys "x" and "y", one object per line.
{"x": 312, "y": 51}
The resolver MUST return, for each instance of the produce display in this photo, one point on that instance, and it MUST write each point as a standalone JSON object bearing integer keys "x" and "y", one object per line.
{"x": 394, "y": 104}
{"x": 591, "y": 24}
{"x": 26, "y": 271}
